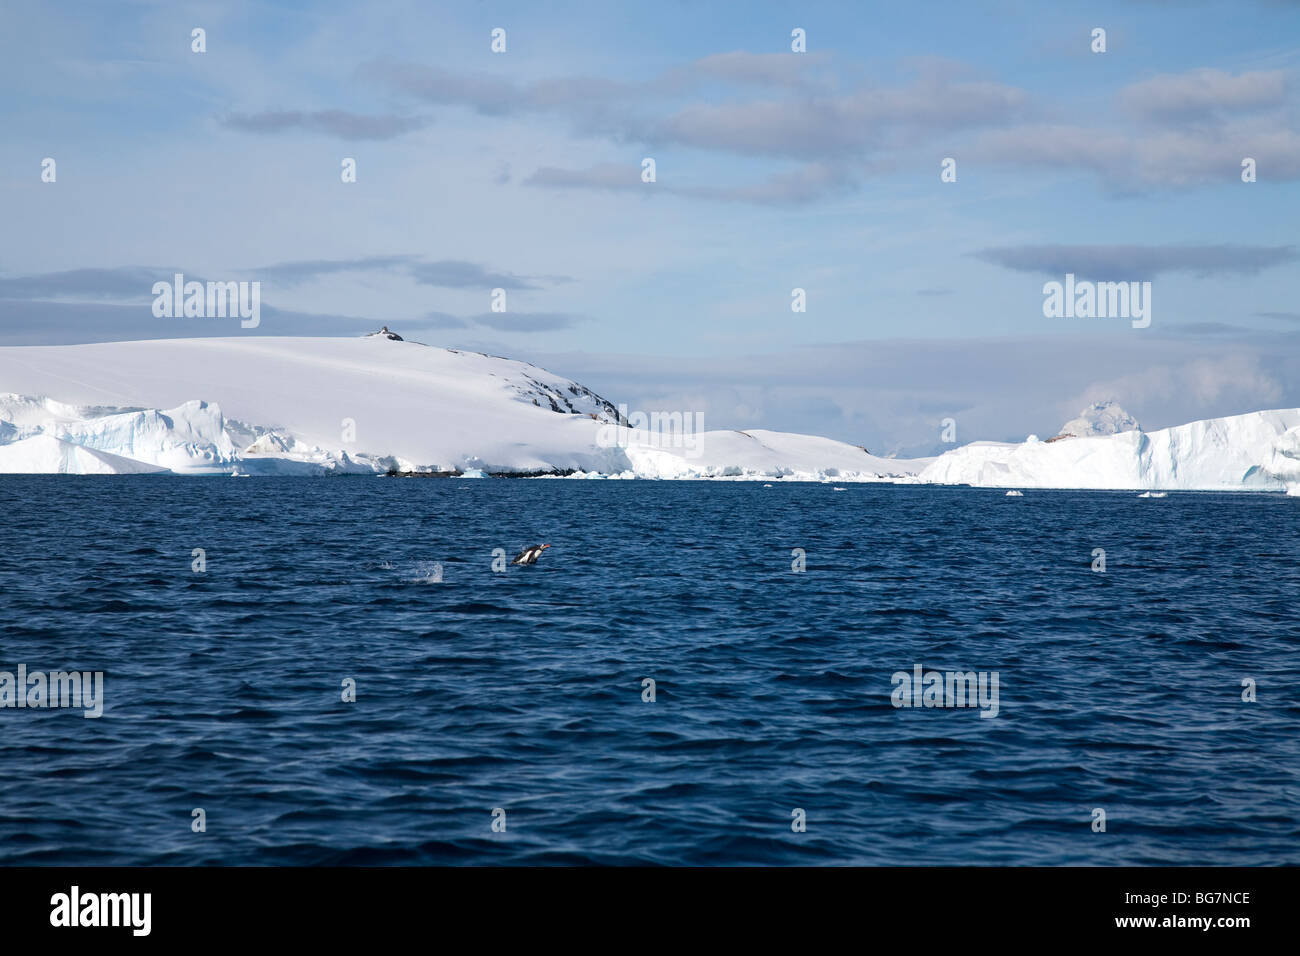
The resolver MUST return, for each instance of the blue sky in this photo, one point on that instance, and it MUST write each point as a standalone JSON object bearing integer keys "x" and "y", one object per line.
{"x": 775, "y": 170}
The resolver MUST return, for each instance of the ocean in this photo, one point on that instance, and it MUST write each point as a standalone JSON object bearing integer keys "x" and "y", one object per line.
{"x": 506, "y": 717}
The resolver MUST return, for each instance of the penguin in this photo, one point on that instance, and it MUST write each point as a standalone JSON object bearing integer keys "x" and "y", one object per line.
{"x": 530, "y": 554}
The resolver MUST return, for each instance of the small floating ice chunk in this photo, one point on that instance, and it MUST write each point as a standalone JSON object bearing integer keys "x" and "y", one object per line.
{"x": 1015, "y": 494}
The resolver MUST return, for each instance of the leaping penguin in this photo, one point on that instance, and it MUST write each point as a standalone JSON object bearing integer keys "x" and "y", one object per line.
{"x": 530, "y": 554}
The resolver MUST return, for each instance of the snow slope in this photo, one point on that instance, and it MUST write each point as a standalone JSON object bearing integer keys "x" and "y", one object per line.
{"x": 315, "y": 405}
{"x": 757, "y": 453}
{"x": 1259, "y": 451}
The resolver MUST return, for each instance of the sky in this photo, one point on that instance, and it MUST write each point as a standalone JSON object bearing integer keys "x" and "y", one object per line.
{"x": 774, "y": 170}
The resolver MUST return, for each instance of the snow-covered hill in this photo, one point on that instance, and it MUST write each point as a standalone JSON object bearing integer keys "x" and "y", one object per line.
{"x": 366, "y": 405}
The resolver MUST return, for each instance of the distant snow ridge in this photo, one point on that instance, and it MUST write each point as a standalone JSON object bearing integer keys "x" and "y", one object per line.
{"x": 1101, "y": 418}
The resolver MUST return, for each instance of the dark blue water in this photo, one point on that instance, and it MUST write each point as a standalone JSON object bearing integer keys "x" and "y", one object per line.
{"x": 523, "y": 690}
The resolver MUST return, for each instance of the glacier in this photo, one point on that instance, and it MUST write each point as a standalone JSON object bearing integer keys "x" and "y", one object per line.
{"x": 369, "y": 405}
{"x": 377, "y": 404}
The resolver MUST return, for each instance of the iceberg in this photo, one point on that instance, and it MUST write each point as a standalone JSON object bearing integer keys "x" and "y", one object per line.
{"x": 1257, "y": 451}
